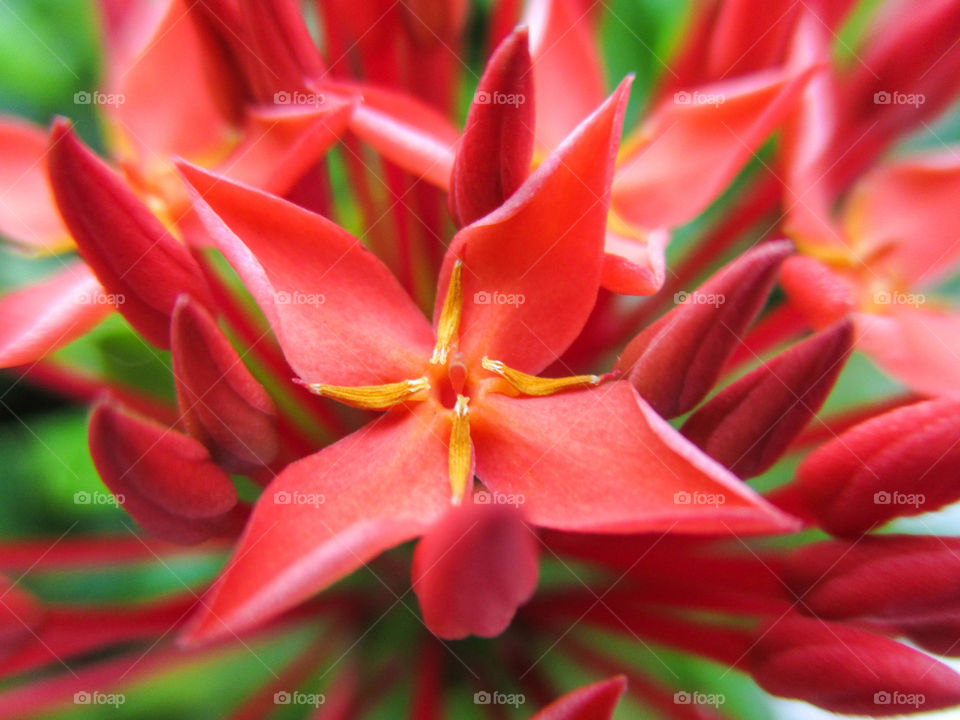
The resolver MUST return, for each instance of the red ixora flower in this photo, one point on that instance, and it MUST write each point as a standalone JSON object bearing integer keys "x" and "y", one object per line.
{"x": 586, "y": 453}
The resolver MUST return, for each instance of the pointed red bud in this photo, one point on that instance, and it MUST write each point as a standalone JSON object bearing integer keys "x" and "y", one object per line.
{"x": 473, "y": 569}
{"x": 222, "y": 405}
{"x": 165, "y": 480}
{"x": 138, "y": 262}
{"x": 749, "y": 425}
{"x": 904, "y": 462}
{"x": 675, "y": 361}
{"x": 494, "y": 155}
{"x": 846, "y": 670}
{"x": 887, "y": 578}
{"x": 592, "y": 702}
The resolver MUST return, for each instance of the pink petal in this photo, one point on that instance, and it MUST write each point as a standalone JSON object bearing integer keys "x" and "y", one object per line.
{"x": 652, "y": 189}
{"x": 918, "y": 347}
{"x": 532, "y": 267}
{"x": 635, "y": 264}
{"x": 339, "y": 314}
{"x": 47, "y": 315}
{"x": 473, "y": 569}
{"x": 910, "y": 205}
{"x": 567, "y": 75}
{"x": 603, "y": 461}
{"x": 164, "y": 479}
{"x": 328, "y": 514}
{"x": 28, "y": 216}
{"x": 126, "y": 246}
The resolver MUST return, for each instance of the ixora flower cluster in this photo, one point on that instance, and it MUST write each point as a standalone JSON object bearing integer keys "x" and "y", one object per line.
{"x": 383, "y": 328}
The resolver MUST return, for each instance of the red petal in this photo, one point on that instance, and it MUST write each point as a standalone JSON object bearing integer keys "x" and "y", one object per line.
{"x": 127, "y": 247}
{"x": 675, "y": 361}
{"x": 904, "y": 462}
{"x": 592, "y": 702}
{"x": 45, "y": 316}
{"x": 846, "y": 670}
{"x": 165, "y": 480}
{"x": 635, "y": 264}
{"x": 567, "y": 74}
{"x": 281, "y": 144}
{"x": 222, "y": 405}
{"x": 328, "y": 514}
{"x": 883, "y": 578}
{"x": 748, "y": 426}
{"x": 473, "y": 569}
{"x": 190, "y": 117}
{"x": 910, "y": 205}
{"x": 652, "y": 189}
{"x": 405, "y": 131}
{"x": 532, "y": 267}
{"x": 918, "y": 347}
{"x": 286, "y": 53}
{"x": 20, "y": 614}
{"x": 339, "y": 314}
{"x": 602, "y": 461}
{"x": 494, "y": 156}
{"x": 27, "y": 213}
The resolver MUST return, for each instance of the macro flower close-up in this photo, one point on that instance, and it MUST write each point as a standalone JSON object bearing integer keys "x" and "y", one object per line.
{"x": 541, "y": 359}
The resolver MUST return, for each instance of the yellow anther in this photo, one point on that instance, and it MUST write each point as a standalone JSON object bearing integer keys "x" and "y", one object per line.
{"x": 533, "y": 385}
{"x": 449, "y": 324}
{"x": 459, "y": 457}
{"x": 372, "y": 397}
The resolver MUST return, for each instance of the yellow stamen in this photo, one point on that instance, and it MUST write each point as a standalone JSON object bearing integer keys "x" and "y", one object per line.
{"x": 459, "y": 452}
{"x": 533, "y": 385}
{"x": 449, "y": 324}
{"x": 372, "y": 397}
